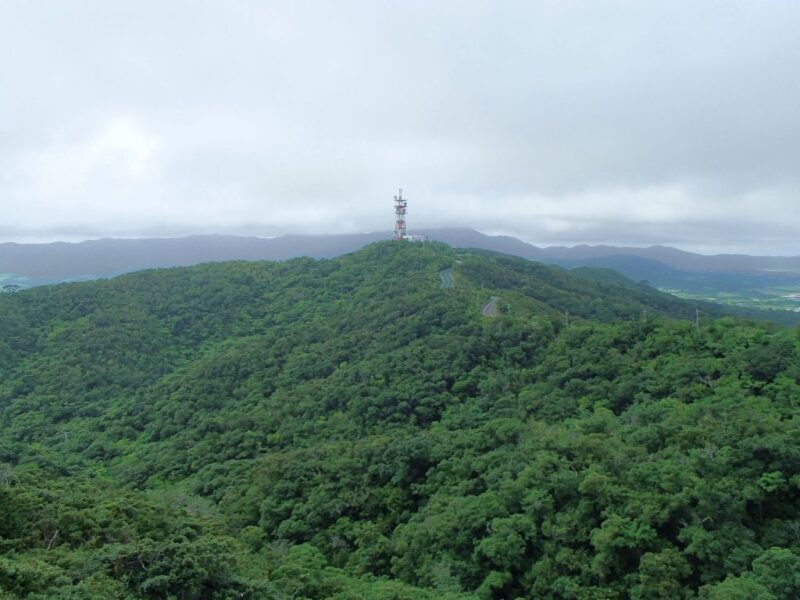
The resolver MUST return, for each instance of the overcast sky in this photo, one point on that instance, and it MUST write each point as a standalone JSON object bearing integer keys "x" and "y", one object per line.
{"x": 558, "y": 122}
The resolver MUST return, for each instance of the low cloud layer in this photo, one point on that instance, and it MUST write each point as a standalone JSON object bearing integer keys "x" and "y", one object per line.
{"x": 557, "y": 122}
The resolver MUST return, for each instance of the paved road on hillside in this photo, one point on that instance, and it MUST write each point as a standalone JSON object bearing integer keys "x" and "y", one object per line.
{"x": 490, "y": 308}
{"x": 447, "y": 278}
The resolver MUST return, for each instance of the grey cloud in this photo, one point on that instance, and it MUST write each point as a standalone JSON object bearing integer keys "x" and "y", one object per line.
{"x": 604, "y": 122}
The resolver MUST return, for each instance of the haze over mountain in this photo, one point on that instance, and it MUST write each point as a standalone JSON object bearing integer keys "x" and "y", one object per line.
{"x": 54, "y": 262}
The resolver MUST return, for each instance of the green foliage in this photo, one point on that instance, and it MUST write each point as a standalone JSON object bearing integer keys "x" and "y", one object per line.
{"x": 89, "y": 539}
{"x": 350, "y": 429}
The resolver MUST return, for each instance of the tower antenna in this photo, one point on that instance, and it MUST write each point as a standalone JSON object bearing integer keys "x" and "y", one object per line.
{"x": 400, "y": 209}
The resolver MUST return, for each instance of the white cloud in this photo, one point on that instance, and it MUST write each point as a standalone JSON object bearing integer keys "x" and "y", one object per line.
{"x": 121, "y": 150}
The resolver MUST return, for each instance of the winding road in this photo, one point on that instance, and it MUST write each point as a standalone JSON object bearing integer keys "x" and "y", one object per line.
{"x": 490, "y": 308}
{"x": 447, "y": 278}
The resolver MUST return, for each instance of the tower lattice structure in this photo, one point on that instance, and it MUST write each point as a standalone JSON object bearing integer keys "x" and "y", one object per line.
{"x": 400, "y": 210}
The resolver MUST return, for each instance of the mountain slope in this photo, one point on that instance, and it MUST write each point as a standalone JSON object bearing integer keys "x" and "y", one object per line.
{"x": 350, "y": 428}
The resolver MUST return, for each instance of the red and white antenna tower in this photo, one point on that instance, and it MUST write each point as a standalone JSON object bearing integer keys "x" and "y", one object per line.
{"x": 400, "y": 209}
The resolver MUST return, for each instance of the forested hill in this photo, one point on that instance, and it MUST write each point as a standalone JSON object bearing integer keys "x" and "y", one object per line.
{"x": 364, "y": 427}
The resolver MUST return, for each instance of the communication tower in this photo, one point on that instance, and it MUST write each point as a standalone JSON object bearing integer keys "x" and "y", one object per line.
{"x": 400, "y": 209}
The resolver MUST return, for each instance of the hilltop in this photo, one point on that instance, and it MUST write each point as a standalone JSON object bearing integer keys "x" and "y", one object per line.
{"x": 752, "y": 282}
{"x": 360, "y": 427}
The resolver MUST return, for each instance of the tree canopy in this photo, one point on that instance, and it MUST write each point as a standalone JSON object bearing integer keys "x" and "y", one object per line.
{"x": 350, "y": 428}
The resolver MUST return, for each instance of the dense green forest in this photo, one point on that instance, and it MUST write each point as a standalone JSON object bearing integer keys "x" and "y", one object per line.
{"x": 351, "y": 428}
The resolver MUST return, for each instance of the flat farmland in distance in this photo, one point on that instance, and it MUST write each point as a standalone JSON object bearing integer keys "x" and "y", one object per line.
{"x": 785, "y": 297}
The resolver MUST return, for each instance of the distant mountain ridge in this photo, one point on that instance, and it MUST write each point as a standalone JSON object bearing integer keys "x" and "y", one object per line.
{"x": 37, "y": 264}
{"x": 680, "y": 259}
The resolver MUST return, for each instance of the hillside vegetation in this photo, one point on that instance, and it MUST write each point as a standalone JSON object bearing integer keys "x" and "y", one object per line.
{"x": 350, "y": 429}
